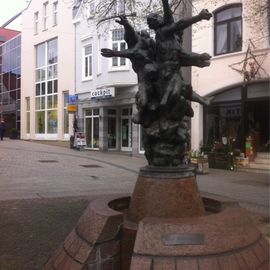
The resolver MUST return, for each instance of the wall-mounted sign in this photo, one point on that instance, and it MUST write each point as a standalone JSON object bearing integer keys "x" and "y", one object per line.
{"x": 72, "y": 99}
{"x": 72, "y": 103}
{"x": 72, "y": 108}
{"x": 102, "y": 93}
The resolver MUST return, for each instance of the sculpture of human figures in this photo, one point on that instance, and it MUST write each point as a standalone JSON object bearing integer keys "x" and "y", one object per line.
{"x": 163, "y": 96}
{"x": 168, "y": 52}
{"x": 141, "y": 52}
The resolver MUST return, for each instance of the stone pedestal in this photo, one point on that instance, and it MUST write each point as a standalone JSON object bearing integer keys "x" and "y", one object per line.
{"x": 223, "y": 241}
{"x": 166, "y": 224}
{"x": 162, "y": 193}
{"x": 165, "y": 192}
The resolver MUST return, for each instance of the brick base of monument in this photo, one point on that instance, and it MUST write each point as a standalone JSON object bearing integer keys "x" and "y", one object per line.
{"x": 165, "y": 192}
{"x": 123, "y": 233}
{"x": 95, "y": 241}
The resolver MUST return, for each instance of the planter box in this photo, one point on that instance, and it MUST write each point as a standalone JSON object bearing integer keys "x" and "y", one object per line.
{"x": 220, "y": 160}
{"x": 201, "y": 165}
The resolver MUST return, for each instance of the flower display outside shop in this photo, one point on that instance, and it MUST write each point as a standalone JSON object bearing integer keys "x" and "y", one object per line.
{"x": 199, "y": 160}
{"x": 224, "y": 155}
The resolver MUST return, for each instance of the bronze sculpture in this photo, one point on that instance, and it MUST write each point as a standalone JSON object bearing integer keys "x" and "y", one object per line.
{"x": 163, "y": 97}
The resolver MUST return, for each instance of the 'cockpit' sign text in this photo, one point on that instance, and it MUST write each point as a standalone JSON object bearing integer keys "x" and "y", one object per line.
{"x": 102, "y": 93}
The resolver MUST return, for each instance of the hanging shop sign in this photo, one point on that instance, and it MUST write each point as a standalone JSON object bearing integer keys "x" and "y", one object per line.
{"x": 72, "y": 108}
{"x": 102, "y": 93}
{"x": 72, "y": 103}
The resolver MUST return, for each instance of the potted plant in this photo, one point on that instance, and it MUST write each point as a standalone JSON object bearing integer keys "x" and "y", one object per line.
{"x": 13, "y": 133}
{"x": 221, "y": 155}
{"x": 200, "y": 161}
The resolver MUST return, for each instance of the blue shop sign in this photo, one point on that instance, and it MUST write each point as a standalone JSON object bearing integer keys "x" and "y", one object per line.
{"x": 72, "y": 99}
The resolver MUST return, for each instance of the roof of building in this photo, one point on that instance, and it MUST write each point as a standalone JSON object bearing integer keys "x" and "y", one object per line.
{"x": 6, "y": 34}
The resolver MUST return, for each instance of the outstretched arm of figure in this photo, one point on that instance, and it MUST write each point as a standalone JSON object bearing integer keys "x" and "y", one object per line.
{"x": 129, "y": 53}
{"x": 167, "y": 16}
{"x": 191, "y": 95}
{"x": 206, "y": 101}
{"x": 131, "y": 36}
{"x": 182, "y": 24}
{"x": 194, "y": 59}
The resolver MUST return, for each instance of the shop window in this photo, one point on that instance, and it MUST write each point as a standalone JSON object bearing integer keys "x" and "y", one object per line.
{"x": 27, "y": 102}
{"x": 66, "y": 117}
{"x": 223, "y": 121}
{"x": 112, "y": 128}
{"x": 126, "y": 129}
{"x": 46, "y": 100}
{"x": 52, "y": 121}
{"x": 40, "y": 122}
{"x": 141, "y": 137}
{"x": 228, "y": 30}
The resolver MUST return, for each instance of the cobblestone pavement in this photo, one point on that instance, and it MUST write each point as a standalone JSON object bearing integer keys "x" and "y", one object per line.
{"x": 34, "y": 170}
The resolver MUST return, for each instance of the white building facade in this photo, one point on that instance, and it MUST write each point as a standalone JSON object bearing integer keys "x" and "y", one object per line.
{"x": 237, "y": 37}
{"x": 106, "y": 87}
{"x": 47, "y": 64}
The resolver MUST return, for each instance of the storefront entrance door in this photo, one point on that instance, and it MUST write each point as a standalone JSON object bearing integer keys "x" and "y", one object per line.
{"x": 92, "y": 128}
{"x": 112, "y": 129}
{"x": 126, "y": 132}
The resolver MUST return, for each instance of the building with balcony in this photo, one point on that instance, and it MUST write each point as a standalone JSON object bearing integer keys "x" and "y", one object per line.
{"x": 237, "y": 37}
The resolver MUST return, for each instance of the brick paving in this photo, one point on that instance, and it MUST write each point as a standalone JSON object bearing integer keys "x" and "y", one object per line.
{"x": 45, "y": 170}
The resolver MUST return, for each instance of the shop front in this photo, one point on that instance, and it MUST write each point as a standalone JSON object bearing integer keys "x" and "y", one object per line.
{"x": 236, "y": 114}
{"x": 107, "y": 122}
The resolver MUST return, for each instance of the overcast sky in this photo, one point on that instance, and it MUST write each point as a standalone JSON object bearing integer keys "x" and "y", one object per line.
{"x": 8, "y": 9}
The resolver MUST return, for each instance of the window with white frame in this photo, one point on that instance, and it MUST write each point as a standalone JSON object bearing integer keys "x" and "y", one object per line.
{"x": 27, "y": 103}
{"x": 87, "y": 61}
{"x": 89, "y": 10}
{"x": 228, "y": 29}
{"x": 118, "y": 44}
{"x": 55, "y": 13}
{"x": 92, "y": 9}
{"x": 118, "y": 8}
{"x": 92, "y": 128}
{"x": 99, "y": 70}
{"x": 121, "y": 7}
{"x": 45, "y": 16}
{"x": 66, "y": 115}
{"x": 36, "y": 23}
{"x": 46, "y": 96}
